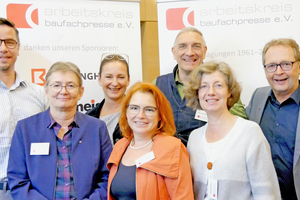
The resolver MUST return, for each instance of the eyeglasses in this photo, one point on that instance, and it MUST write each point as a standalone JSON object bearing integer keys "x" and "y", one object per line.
{"x": 10, "y": 43}
{"x": 109, "y": 56}
{"x": 70, "y": 87}
{"x": 205, "y": 87}
{"x": 285, "y": 66}
{"x": 148, "y": 110}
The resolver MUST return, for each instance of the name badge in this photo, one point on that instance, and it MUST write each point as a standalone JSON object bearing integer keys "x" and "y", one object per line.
{"x": 212, "y": 188}
{"x": 145, "y": 158}
{"x": 39, "y": 148}
{"x": 201, "y": 115}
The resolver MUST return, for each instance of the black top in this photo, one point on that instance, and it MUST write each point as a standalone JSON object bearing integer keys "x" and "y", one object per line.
{"x": 95, "y": 112}
{"x": 123, "y": 184}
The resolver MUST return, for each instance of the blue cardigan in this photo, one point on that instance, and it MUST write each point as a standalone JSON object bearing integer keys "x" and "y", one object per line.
{"x": 34, "y": 176}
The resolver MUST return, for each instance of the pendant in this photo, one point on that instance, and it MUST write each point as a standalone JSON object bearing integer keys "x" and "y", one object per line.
{"x": 209, "y": 165}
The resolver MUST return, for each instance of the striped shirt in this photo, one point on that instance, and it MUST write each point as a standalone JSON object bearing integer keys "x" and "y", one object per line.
{"x": 20, "y": 101}
{"x": 65, "y": 183}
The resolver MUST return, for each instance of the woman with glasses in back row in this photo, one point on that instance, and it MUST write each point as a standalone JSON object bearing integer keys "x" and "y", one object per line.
{"x": 148, "y": 163}
{"x": 113, "y": 78}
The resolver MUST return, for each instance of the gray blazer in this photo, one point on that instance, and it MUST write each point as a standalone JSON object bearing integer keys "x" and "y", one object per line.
{"x": 254, "y": 112}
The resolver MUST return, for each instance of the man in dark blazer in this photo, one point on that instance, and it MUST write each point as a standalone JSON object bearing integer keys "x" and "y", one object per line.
{"x": 276, "y": 109}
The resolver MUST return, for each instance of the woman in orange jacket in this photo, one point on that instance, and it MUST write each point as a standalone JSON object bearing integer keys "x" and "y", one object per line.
{"x": 148, "y": 163}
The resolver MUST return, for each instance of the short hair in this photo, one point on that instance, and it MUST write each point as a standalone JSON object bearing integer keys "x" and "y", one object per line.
{"x": 64, "y": 67}
{"x": 191, "y": 89}
{"x": 189, "y": 29}
{"x": 112, "y": 58}
{"x": 166, "y": 124}
{"x": 9, "y": 23}
{"x": 282, "y": 41}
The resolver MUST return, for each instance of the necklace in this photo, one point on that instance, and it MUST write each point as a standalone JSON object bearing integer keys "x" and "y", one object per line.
{"x": 136, "y": 148}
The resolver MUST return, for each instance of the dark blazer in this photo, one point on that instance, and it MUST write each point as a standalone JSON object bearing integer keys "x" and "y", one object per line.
{"x": 95, "y": 112}
{"x": 34, "y": 176}
{"x": 255, "y": 110}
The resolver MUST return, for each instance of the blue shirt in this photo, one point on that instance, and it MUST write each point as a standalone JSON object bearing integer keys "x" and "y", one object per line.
{"x": 65, "y": 184}
{"x": 279, "y": 124}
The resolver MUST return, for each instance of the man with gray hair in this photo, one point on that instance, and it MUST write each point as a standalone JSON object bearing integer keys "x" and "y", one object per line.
{"x": 276, "y": 109}
{"x": 189, "y": 51}
{"x": 19, "y": 98}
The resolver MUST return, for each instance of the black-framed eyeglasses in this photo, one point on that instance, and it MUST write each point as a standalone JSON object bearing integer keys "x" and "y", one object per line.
{"x": 70, "y": 87}
{"x": 285, "y": 66}
{"x": 110, "y": 56}
{"x": 10, "y": 43}
{"x": 148, "y": 110}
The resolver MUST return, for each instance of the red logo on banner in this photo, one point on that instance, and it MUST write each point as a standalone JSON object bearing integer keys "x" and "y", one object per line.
{"x": 175, "y": 18}
{"x": 40, "y": 73}
{"x": 17, "y": 14}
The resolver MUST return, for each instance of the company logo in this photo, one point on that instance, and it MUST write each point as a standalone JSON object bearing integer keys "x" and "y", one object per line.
{"x": 23, "y": 15}
{"x": 87, "y": 106}
{"x": 178, "y": 18}
{"x": 89, "y": 76}
{"x": 37, "y": 76}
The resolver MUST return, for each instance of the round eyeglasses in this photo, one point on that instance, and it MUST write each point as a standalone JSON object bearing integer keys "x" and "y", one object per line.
{"x": 285, "y": 66}
{"x": 70, "y": 87}
{"x": 149, "y": 111}
{"x": 9, "y": 43}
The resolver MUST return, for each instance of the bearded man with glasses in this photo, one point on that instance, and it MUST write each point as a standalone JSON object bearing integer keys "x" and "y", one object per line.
{"x": 19, "y": 98}
{"x": 276, "y": 109}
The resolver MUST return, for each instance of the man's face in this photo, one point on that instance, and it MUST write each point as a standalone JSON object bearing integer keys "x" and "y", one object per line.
{"x": 189, "y": 51}
{"x": 8, "y": 56}
{"x": 283, "y": 83}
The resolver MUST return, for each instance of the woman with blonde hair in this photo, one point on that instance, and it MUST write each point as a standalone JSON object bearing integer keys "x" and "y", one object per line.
{"x": 148, "y": 163}
{"x": 230, "y": 157}
{"x": 114, "y": 79}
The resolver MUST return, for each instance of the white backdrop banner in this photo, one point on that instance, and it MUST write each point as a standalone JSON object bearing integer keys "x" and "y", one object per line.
{"x": 79, "y": 32}
{"x": 235, "y": 32}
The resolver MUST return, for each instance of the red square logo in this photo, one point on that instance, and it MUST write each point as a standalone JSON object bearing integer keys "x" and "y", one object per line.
{"x": 178, "y": 18}
{"x": 22, "y": 15}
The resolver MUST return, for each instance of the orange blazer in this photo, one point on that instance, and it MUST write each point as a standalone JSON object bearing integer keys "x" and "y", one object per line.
{"x": 167, "y": 176}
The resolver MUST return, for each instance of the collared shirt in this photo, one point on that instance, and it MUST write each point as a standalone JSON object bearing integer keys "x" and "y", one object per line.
{"x": 22, "y": 100}
{"x": 65, "y": 183}
{"x": 279, "y": 124}
{"x": 179, "y": 85}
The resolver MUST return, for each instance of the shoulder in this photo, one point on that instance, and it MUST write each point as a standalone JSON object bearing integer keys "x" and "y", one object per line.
{"x": 117, "y": 152}
{"x": 95, "y": 112}
{"x": 166, "y": 76}
{"x": 42, "y": 117}
{"x": 34, "y": 86}
{"x": 197, "y": 133}
{"x": 83, "y": 118}
{"x": 249, "y": 130}
{"x": 262, "y": 91}
{"x": 165, "y": 145}
{"x": 163, "y": 77}
{"x": 167, "y": 140}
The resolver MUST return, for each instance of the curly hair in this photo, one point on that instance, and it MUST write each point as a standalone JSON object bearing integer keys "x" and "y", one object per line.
{"x": 191, "y": 89}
